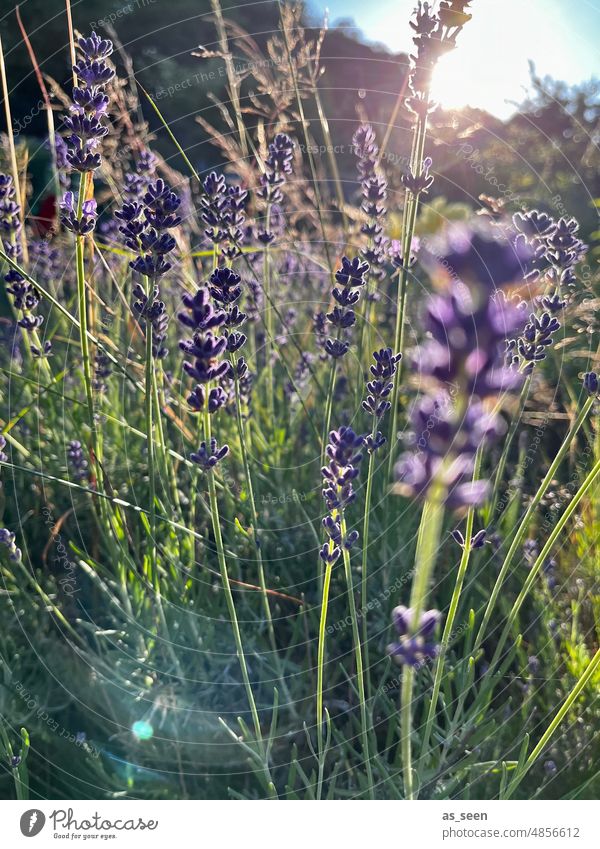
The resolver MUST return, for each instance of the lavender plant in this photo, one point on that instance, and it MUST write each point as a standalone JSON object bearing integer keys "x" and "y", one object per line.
{"x": 159, "y": 535}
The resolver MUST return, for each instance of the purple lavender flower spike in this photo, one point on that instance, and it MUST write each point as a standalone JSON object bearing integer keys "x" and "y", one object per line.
{"x": 82, "y": 224}
{"x": 84, "y": 125}
{"x": 351, "y": 277}
{"x": 145, "y": 225}
{"x": 7, "y": 539}
{"x": 478, "y": 253}
{"x": 374, "y": 194}
{"x": 557, "y": 249}
{"x": 419, "y": 183}
{"x": 416, "y": 644}
{"x": 464, "y": 365}
{"x": 77, "y": 461}
{"x": 344, "y": 457}
{"x": 25, "y": 297}
{"x": 278, "y": 165}
{"x": 204, "y": 348}
{"x": 591, "y": 382}
{"x": 207, "y": 457}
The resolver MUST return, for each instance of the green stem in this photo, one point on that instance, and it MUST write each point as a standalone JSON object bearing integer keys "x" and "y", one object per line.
{"x": 83, "y": 336}
{"x": 257, "y": 541}
{"x": 365, "y": 553}
{"x": 216, "y": 526}
{"x": 149, "y": 372}
{"x": 411, "y": 206}
{"x": 320, "y": 669}
{"x": 360, "y": 676}
{"x": 449, "y": 623}
{"x": 429, "y": 536}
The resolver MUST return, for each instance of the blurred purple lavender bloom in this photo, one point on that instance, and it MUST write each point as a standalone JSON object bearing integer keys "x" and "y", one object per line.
{"x": 416, "y": 644}
{"x": 7, "y": 539}
{"x": 463, "y": 363}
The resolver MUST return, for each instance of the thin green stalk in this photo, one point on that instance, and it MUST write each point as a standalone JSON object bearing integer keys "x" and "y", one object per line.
{"x": 149, "y": 372}
{"x": 242, "y": 434}
{"x": 429, "y": 536}
{"x": 320, "y": 669}
{"x": 216, "y": 526}
{"x": 83, "y": 336}
{"x": 562, "y": 712}
{"x": 365, "y": 553}
{"x": 406, "y": 699}
{"x": 449, "y": 623}
{"x": 325, "y": 435}
{"x": 520, "y": 532}
{"x": 409, "y": 222}
{"x": 360, "y": 676}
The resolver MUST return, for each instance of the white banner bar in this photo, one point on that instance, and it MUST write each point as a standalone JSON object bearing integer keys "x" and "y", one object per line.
{"x": 300, "y": 825}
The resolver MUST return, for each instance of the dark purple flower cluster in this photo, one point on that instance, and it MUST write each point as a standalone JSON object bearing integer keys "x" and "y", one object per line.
{"x": 351, "y": 277}
{"x": 419, "y": 183}
{"x": 591, "y": 382}
{"x": 416, "y": 641}
{"x": 557, "y": 250}
{"x": 344, "y": 454}
{"x": 25, "y": 296}
{"x": 79, "y": 222}
{"x": 277, "y": 166}
{"x": 205, "y": 348}
{"x": 435, "y": 35}
{"x": 531, "y": 346}
{"x": 225, "y": 286}
{"x": 76, "y": 459}
{"x": 146, "y": 228}
{"x": 3, "y": 455}
{"x": 7, "y": 538}
{"x": 223, "y": 213}
{"x": 148, "y": 308}
{"x": 90, "y": 103}
{"x": 464, "y": 369}
{"x": 379, "y": 389}
{"x": 374, "y": 194}
{"x": 208, "y": 457}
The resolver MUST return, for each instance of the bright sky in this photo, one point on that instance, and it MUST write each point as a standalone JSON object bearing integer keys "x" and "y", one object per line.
{"x": 489, "y": 69}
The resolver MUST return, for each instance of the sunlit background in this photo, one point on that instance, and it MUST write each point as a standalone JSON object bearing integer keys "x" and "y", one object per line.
{"x": 491, "y": 70}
